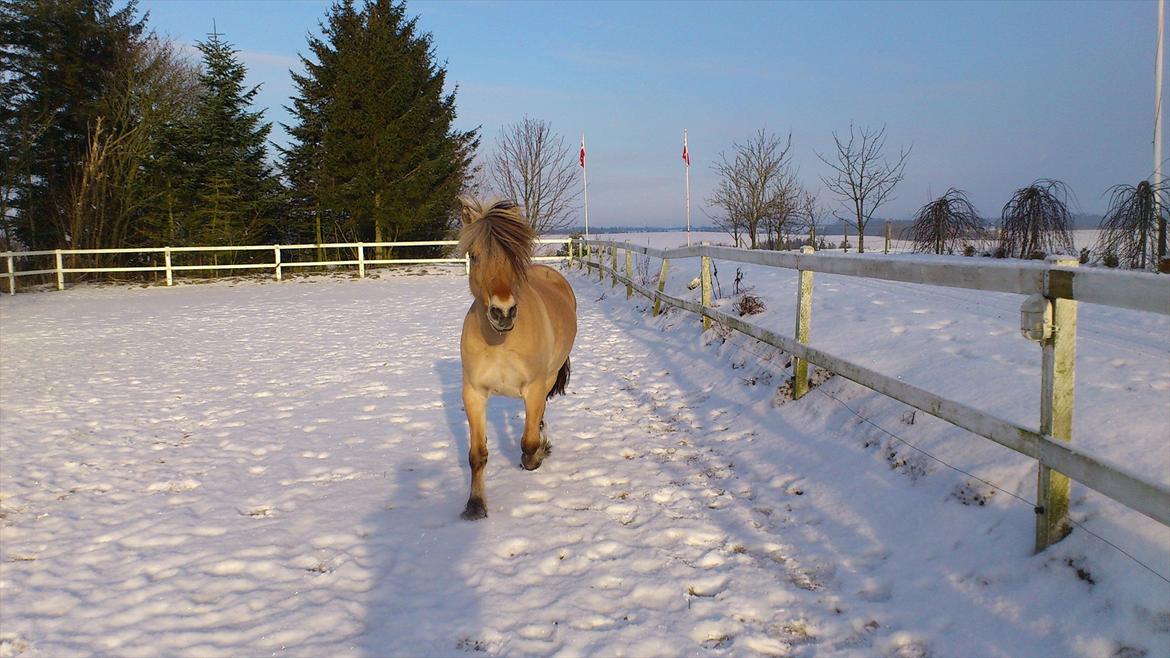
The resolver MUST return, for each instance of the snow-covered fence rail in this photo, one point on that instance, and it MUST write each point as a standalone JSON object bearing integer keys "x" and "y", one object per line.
{"x": 1048, "y": 316}
{"x": 276, "y": 266}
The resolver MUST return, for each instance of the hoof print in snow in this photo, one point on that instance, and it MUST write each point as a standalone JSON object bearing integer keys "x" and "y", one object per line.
{"x": 1082, "y": 573}
{"x": 12, "y": 645}
{"x": 468, "y": 644}
{"x": 905, "y": 645}
{"x": 972, "y": 493}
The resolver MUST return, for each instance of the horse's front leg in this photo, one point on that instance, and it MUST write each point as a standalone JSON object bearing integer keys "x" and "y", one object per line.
{"x": 533, "y": 445}
{"x": 475, "y": 404}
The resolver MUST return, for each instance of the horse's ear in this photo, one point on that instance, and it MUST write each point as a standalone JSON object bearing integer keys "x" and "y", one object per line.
{"x": 467, "y": 209}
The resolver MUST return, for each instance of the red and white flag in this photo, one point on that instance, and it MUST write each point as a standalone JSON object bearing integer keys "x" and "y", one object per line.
{"x": 582, "y": 150}
{"x": 686, "y": 154}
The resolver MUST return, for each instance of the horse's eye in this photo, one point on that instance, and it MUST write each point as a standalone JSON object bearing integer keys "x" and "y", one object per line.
{"x": 471, "y": 257}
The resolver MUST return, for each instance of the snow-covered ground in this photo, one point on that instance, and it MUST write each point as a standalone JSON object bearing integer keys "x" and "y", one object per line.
{"x": 250, "y": 467}
{"x": 873, "y": 243}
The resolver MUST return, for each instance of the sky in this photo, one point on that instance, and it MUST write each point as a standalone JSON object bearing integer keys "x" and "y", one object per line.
{"x": 988, "y": 95}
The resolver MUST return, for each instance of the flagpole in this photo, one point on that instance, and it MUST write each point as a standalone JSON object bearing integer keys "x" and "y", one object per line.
{"x": 688, "y": 168}
{"x": 585, "y": 184}
{"x": 1160, "y": 249}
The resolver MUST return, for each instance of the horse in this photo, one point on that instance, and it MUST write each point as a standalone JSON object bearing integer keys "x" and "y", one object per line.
{"x": 517, "y": 335}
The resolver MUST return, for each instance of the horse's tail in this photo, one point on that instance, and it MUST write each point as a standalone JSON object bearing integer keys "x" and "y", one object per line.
{"x": 562, "y": 380}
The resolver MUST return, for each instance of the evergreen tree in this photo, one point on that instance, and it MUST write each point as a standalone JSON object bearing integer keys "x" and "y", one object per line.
{"x": 59, "y": 59}
{"x": 371, "y": 113}
{"x": 227, "y": 183}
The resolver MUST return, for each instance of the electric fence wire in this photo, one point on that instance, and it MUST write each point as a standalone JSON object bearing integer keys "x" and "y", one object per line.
{"x": 971, "y": 475}
{"x": 990, "y": 484}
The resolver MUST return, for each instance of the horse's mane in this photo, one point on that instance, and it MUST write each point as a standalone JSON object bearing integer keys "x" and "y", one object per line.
{"x": 498, "y": 230}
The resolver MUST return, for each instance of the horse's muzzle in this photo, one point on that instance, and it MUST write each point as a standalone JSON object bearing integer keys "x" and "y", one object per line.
{"x": 502, "y": 321}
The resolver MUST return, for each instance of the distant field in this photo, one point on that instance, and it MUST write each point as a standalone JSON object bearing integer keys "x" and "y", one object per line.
{"x": 670, "y": 239}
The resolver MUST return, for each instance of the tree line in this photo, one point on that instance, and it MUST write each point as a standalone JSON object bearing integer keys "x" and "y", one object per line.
{"x": 111, "y": 136}
{"x": 759, "y": 200}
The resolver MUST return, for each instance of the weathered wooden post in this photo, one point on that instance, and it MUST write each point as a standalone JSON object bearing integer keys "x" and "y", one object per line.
{"x": 803, "y": 320}
{"x": 600, "y": 270}
{"x": 11, "y": 275}
{"x": 705, "y": 280}
{"x": 361, "y": 249}
{"x": 844, "y": 237}
{"x": 629, "y": 274}
{"x": 886, "y": 248}
{"x": 60, "y": 271}
{"x": 276, "y": 264}
{"x": 167, "y": 262}
{"x": 1057, "y": 378}
{"x": 612, "y": 267}
{"x": 661, "y": 284}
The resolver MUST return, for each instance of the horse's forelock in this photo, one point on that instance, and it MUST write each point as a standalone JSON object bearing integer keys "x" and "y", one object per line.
{"x": 500, "y": 232}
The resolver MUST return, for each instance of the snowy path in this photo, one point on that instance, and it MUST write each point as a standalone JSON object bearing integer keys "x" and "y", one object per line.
{"x": 278, "y": 469}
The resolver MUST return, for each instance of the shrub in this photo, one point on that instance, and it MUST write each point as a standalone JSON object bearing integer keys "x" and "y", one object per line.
{"x": 749, "y": 305}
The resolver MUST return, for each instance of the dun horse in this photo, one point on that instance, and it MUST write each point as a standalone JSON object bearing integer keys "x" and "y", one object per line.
{"x": 517, "y": 334}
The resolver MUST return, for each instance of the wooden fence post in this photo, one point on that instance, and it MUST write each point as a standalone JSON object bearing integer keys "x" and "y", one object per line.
{"x": 705, "y": 280}
{"x": 886, "y": 249}
{"x": 803, "y": 321}
{"x": 276, "y": 251}
{"x": 661, "y": 284}
{"x": 1057, "y": 378}
{"x": 361, "y": 260}
{"x": 60, "y": 271}
{"x": 167, "y": 262}
{"x": 612, "y": 267}
{"x": 11, "y": 275}
{"x": 629, "y": 274}
{"x": 600, "y": 271}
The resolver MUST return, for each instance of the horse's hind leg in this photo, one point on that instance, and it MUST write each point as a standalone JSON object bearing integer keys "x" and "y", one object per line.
{"x": 475, "y": 403}
{"x": 533, "y": 445}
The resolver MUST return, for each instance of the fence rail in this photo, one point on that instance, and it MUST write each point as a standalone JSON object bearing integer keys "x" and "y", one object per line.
{"x": 277, "y": 265}
{"x": 1048, "y": 316}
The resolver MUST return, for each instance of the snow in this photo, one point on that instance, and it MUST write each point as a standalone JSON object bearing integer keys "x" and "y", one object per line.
{"x": 249, "y": 467}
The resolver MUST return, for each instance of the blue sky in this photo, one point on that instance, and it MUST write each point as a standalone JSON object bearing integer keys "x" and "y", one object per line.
{"x": 991, "y": 95}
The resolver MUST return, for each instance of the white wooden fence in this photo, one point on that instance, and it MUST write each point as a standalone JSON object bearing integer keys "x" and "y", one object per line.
{"x": 1047, "y": 316}
{"x": 277, "y": 266}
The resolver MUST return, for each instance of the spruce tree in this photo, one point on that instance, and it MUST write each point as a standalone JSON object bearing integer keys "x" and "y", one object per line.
{"x": 227, "y": 182}
{"x": 371, "y": 112}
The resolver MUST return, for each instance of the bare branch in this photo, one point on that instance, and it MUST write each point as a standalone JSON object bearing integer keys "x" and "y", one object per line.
{"x": 942, "y": 223}
{"x": 1129, "y": 230}
{"x": 1036, "y": 220}
{"x": 758, "y": 188}
{"x": 534, "y": 167}
{"x": 862, "y": 177}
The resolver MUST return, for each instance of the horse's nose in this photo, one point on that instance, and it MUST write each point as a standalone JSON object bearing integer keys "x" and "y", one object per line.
{"x": 502, "y": 319}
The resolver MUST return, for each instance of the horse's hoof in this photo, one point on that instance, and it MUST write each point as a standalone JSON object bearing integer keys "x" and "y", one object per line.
{"x": 531, "y": 462}
{"x": 475, "y": 510}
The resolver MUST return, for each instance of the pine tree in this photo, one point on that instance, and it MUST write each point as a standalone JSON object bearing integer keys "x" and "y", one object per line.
{"x": 227, "y": 182}
{"x": 372, "y": 114}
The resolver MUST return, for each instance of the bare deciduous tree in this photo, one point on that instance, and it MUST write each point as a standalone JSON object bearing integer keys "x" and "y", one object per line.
{"x": 862, "y": 176}
{"x": 757, "y": 187}
{"x": 808, "y": 215}
{"x": 534, "y": 167}
{"x": 1129, "y": 229}
{"x": 1036, "y": 220}
{"x": 940, "y": 224}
